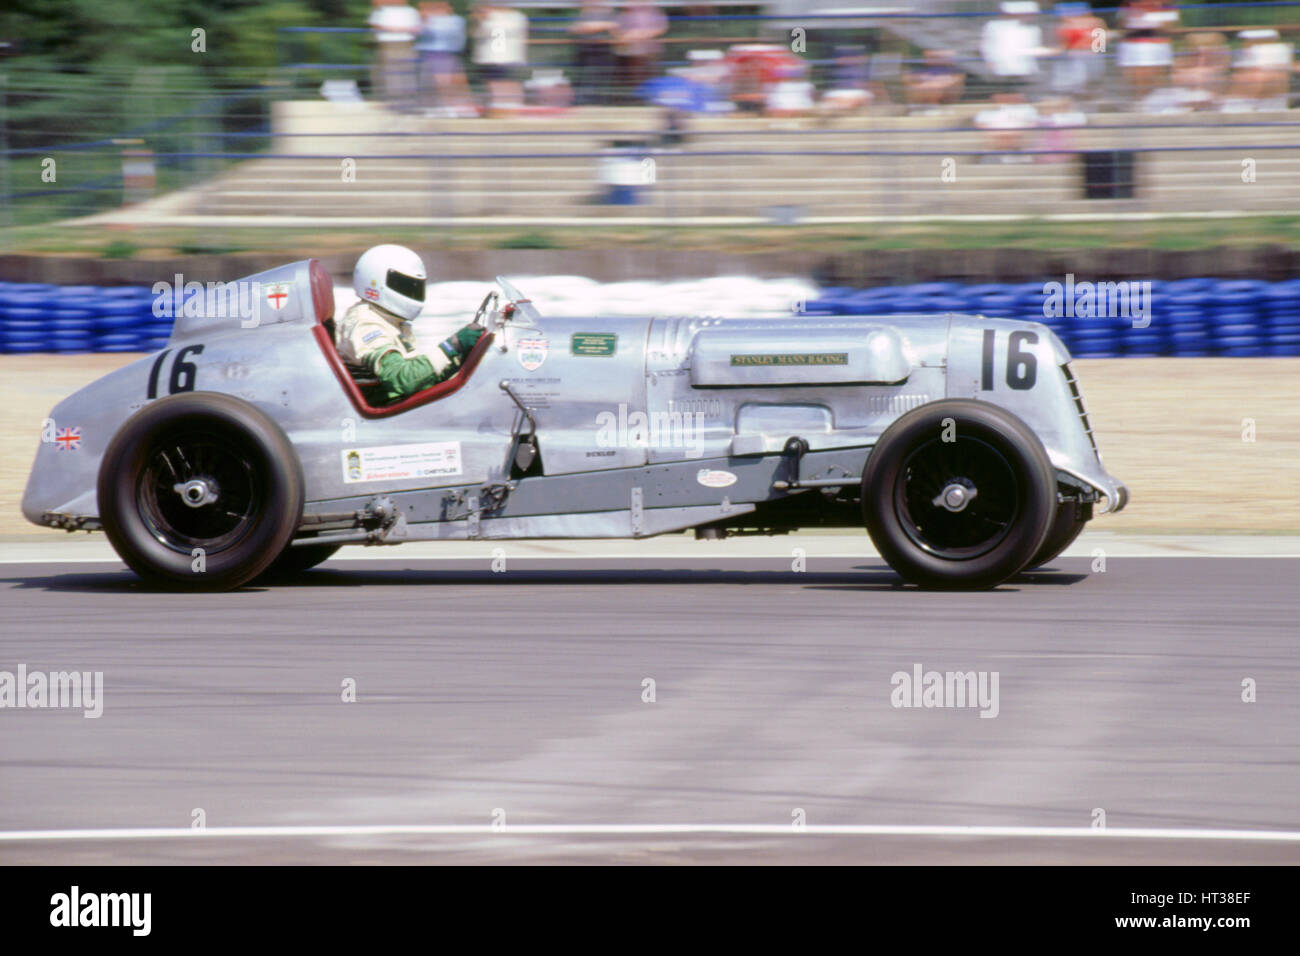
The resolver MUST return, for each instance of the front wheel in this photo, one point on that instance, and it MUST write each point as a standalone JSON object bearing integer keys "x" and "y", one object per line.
{"x": 200, "y": 491}
{"x": 958, "y": 494}
{"x": 1071, "y": 516}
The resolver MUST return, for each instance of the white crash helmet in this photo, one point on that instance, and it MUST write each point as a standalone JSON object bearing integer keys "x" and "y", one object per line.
{"x": 392, "y": 277}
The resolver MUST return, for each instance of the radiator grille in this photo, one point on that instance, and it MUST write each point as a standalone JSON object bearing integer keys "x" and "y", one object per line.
{"x": 1071, "y": 381}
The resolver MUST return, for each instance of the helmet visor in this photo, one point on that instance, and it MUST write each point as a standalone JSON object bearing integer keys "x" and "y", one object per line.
{"x": 403, "y": 284}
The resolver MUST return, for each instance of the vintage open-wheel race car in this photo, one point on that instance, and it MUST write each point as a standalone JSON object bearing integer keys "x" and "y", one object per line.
{"x": 247, "y": 449}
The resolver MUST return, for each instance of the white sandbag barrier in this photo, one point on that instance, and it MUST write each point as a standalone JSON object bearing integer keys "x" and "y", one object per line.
{"x": 448, "y": 305}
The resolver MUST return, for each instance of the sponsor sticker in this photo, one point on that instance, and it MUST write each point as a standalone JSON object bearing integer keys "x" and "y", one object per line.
{"x": 802, "y": 358}
{"x": 532, "y": 353}
{"x": 278, "y": 296}
{"x": 401, "y": 462}
{"x": 712, "y": 478}
{"x": 593, "y": 343}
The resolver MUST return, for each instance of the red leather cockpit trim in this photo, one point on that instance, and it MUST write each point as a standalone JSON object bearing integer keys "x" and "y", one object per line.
{"x": 322, "y": 290}
{"x": 430, "y": 394}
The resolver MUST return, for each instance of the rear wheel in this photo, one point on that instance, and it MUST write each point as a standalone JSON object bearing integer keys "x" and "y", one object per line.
{"x": 958, "y": 494}
{"x": 293, "y": 561}
{"x": 200, "y": 491}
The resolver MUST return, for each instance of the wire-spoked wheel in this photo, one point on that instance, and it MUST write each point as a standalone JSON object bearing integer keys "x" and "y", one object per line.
{"x": 958, "y": 494}
{"x": 957, "y": 500}
{"x": 200, "y": 491}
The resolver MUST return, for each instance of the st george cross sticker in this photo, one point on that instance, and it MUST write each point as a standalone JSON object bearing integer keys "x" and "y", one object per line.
{"x": 277, "y": 296}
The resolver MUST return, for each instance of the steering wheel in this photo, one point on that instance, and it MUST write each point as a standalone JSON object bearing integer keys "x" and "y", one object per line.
{"x": 489, "y": 300}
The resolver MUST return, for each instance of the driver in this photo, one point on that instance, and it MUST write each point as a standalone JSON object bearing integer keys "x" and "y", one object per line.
{"x": 375, "y": 333}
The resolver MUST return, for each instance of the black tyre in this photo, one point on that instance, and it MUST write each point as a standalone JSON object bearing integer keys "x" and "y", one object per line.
{"x": 200, "y": 491}
{"x": 1070, "y": 518}
{"x": 958, "y": 494}
{"x": 293, "y": 561}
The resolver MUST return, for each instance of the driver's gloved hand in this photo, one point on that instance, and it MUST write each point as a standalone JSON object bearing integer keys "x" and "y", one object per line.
{"x": 461, "y": 342}
{"x": 468, "y": 337}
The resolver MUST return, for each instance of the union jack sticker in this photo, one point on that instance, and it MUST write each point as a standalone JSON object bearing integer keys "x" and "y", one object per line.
{"x": 67, "y": 439}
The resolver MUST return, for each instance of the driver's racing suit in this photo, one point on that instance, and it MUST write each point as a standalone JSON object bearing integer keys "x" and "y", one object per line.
{"x": 369, "y": 337}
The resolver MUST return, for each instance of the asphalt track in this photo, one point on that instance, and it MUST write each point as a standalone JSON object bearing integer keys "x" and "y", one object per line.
{"x": 521, "y": 691}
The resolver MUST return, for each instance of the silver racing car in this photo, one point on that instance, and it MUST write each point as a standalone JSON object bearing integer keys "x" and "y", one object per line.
{"x": 248, "y": 449}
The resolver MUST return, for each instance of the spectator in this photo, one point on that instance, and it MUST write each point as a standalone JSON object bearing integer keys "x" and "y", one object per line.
{"x": 1077, "y": 65}
{"x": 1262, "y": 77}
{"x": 1008, "y": 123}
{"x": 500, "y": 51}
{"x": 850, "y": 88}
{"x": 712, "y": 71}
{"x": 637, "y": 46}
{"x": 789, "y": 93}
{"x": 1012, "y": 44}
{"x": 1056, "y": 118}
{"x": 1201, "y": 70}
{"x": 1146, "y": 53}
{"x": 394, "y": 25}
{"x": 753, "y": 69}
{"x": 548, "y": 91}
{"x": 440, "y": 43}
{"x": 937, "y": 83}
{"x": 593, "y": 49}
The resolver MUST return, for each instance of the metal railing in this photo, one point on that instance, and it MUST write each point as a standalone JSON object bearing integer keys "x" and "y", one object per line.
{"x": 569, "y": 173}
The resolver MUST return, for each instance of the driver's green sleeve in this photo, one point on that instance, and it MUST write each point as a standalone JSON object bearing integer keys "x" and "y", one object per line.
{"x": 402, "y": 376}
{"x": 405, "y": 376}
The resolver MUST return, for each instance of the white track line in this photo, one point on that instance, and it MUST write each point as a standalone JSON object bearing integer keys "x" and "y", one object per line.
{"x": 648, "y": 557}
{"x": 635, "y": 829}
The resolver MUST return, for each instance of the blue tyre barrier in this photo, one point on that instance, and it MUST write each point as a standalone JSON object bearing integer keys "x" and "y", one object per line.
{"x": 109, "y": 324}
{"x": 118, "y": 339}
{"x": 907, "y": 305}
{"x": 1198, "y": 316}
{"x": 1000, "y": 304}
{"x": 1193, "y": 317}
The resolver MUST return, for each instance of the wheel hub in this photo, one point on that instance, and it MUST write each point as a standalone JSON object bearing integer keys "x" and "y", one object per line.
{"x": 197, "y": 492}
{"x": 955, "y": 496}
